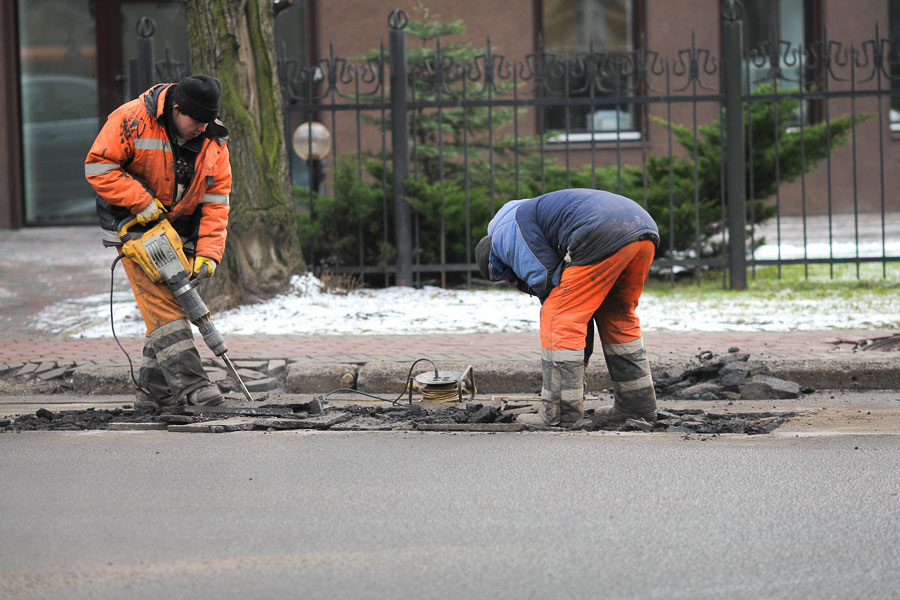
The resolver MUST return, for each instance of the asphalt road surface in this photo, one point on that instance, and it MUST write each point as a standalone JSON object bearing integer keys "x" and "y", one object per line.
{"x": 435, "y": 515}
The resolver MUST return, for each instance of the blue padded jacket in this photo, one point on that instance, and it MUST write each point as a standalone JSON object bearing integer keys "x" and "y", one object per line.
{"x": 534, "y": 240}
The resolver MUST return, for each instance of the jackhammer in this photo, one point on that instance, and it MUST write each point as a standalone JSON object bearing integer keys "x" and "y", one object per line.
{"x": 159, "y": 252}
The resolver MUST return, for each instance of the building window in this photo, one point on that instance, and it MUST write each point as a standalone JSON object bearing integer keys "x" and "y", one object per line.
{"x": 786, "y": 27}
{"x": 766, "y": 23}
{"x": 577, "y": 31}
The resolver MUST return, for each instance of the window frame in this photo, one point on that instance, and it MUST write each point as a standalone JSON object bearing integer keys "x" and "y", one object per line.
{"x": 893, "y": 9}
{"x": 813, "y": 33}
{"x": 633, "y": 134}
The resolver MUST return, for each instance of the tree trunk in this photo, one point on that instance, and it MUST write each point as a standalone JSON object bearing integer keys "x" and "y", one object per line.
{"x": 233, "y": 40}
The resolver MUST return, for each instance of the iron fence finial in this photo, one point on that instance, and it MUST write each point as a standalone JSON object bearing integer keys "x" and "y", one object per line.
{"x": 732, "y": 10}
{"x": 145, "y": 27}
{"x": 398, "y": 19}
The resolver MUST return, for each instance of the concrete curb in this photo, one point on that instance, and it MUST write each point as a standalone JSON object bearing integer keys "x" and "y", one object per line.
{"x": 852, "y": 372}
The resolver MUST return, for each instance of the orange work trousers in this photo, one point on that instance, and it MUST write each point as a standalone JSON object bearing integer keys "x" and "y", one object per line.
{"x": 607, "y": 291}
{"x": 156, "y": 301}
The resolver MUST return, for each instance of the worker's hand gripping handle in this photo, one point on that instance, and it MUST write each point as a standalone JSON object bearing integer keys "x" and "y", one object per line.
{"x": 200, "y": 275}
{"x": 134, "y": 220}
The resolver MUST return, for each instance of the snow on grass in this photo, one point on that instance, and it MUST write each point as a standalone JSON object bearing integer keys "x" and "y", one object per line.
{"x": 790, "y": 251}
{"x": 307, "y": 310}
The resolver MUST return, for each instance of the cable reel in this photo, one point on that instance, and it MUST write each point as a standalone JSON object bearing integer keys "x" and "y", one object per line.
{"x": 445, "y": 386}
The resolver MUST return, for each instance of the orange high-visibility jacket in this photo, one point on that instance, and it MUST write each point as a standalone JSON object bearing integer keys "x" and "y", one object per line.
{"x": 131, "y": 161}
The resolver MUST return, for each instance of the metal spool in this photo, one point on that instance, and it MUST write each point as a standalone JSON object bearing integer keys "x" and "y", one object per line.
{"x": 445, "y": 386}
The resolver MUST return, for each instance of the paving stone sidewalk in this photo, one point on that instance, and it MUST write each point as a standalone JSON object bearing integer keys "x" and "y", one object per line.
{"x": 825, "y": 345}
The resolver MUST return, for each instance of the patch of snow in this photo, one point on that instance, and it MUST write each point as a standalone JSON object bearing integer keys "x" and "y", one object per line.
{"x": 307, "y": 310}
{"x": 825, "y": 250}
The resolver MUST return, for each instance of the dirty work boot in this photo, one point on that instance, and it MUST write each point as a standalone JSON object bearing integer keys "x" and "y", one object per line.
{"x": 208, "y": 395}
{"x": 633, "y": 390}
{"x": 180, "y": 363}
{"x": 562, "y": 392}
{"x": 537, "y": 420}
{"x": 616, "y": 414}
{"x": 143, "y": 402}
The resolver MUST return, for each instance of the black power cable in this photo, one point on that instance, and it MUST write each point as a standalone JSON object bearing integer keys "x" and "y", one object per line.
{"x": 400, "y": 395}
{"x": 112, "y": 325}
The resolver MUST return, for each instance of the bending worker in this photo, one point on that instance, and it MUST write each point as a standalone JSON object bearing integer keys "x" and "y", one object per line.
{"x": 585, "y": 254}
{"x": 165, "y": 155}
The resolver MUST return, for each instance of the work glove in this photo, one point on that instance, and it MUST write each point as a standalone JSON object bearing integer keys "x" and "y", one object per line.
{"x": 151, "y": 213}
{"x": 199, "y": 263}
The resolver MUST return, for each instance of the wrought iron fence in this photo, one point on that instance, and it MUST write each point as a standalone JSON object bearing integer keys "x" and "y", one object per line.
{"x": 468, "y": 132}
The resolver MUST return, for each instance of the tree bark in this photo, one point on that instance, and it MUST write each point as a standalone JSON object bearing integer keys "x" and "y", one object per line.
{"x": 233, "y": 40}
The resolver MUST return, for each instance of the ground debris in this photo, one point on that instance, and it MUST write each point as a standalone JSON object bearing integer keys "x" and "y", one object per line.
{"x": 65, "y": 420}
{"x": 483, "y": 427}
{"x": 730, "y": 376}
{"x": 890, "y": 343}
{"x": 473, "y": 416}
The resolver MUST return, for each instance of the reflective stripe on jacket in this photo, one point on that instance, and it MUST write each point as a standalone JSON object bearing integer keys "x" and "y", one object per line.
{"x": 131, "y": 161}
{"x": 534, "y": 240}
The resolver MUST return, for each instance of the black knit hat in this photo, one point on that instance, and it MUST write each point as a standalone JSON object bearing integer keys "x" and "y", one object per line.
{"x": 483, "y": 256}
{"x": 197, "y": 96}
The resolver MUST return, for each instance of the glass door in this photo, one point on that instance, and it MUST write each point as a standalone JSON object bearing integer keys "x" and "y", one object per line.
{"x": 57, "y": 54}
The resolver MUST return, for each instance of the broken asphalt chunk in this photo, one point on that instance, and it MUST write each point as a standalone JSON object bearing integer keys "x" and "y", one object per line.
{"x": 733, "y": 357}
{"x": 313, "y": 407}
{"x": 484, "y": 427}
{"x": 486, "y": 414}
{"x": 700, "y": 391}
{"x": 219, "y": 426}
{"x": 763, "y": 387}
{"x": 43, "y": 413}
{"x": 323, "y": 422}
{"x": 641, "y": 424}
{"x": 732, "y": 374}
{"x": 253, "y": 411}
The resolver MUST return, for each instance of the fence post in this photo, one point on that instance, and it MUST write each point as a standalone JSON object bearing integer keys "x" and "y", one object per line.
{"x": 140, "y": 70}
{"x": 400, "y": 146}
{"x": 734, "y": 133}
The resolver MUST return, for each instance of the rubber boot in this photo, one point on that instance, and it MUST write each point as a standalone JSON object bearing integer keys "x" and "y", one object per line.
{"x": 562, "y": 392}
{"x": 180, "y": 363}
{"x": 633, "y": 390}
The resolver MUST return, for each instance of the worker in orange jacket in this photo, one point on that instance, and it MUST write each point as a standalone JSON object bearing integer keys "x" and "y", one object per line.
{"x": 165, "y": 155}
